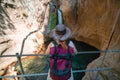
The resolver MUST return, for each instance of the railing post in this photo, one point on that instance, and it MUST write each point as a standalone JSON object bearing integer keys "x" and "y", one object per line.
{"x": 20, "y": 64}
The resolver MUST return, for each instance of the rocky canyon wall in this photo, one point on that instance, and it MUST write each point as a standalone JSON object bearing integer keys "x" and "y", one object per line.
{"x": 91, "y": 21}
{"x": 96, "y": 22}
{"x": 18, "y": 19}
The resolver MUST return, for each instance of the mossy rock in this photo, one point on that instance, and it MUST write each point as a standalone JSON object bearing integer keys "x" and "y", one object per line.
{"x": 34, "y": 65}
{"x": 53, "y": 21}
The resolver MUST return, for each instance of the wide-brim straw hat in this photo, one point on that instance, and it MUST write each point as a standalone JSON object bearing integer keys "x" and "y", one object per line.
{"x": 61, "y": 32}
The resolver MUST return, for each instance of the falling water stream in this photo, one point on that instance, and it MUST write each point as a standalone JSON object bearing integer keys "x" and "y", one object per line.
{"x": 59, "y": 14}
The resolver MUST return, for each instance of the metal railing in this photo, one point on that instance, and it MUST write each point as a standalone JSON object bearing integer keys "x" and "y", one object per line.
{"x": 23, "y": 75}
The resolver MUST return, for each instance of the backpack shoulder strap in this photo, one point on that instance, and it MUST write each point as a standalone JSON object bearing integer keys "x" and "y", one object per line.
{"x": 55, "y": 46}
{"x": 67, "y": 42}
{"x": 55, "y": 55}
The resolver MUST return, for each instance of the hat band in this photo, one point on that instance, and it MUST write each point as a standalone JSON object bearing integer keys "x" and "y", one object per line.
{"x": 61, "y": 32}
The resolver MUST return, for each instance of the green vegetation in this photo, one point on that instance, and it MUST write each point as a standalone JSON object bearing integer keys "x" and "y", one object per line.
{"x": 34, "y": 65}
{"x": 53, "y": 21}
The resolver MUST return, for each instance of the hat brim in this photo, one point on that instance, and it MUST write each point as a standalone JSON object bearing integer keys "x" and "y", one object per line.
{"x": 61, "y": 37}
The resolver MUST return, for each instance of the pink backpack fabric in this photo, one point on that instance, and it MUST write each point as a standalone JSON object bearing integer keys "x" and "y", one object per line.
{"x": 61, "y": 62}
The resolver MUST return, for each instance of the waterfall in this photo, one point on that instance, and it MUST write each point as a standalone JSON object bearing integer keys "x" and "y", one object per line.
{"x": 59, "y": 15}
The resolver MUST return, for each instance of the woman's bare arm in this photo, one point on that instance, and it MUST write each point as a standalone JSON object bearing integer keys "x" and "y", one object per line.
{"x": 72, "y": 45}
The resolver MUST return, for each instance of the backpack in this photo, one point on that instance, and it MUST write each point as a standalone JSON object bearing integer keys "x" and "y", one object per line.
{"x": 60, "y": 62}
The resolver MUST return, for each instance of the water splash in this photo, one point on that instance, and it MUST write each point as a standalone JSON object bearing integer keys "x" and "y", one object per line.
{"x": 59, "y": 14}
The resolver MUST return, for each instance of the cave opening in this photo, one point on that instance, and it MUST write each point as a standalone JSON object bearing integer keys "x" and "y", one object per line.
{"x": 80, "y": 61}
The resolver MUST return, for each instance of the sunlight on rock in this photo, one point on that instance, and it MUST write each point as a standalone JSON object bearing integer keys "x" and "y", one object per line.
{"x": 24, "y": 22}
